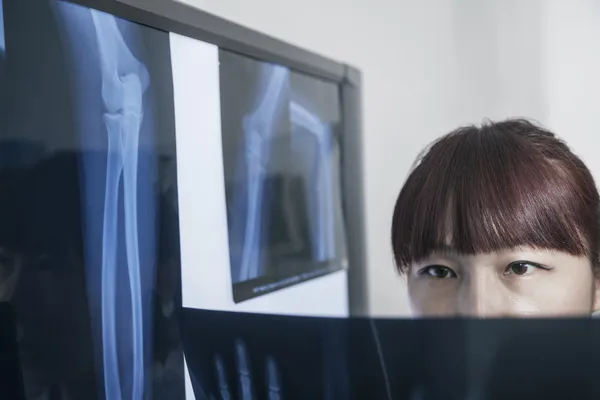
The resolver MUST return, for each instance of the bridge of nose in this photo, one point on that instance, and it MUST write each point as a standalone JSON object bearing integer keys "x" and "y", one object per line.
{"x": 482, "y": 292}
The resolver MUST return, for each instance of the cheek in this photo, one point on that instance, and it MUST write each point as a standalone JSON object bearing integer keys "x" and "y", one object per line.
{"x": 557, "y": 294}
{"x": 561, "y": 294}
{"x": 524, "y": 304}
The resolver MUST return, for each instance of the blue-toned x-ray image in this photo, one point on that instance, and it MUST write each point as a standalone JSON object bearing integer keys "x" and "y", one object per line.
{"x": 245, "y": 358}
{"x": 243, "y": 382}
{"x": 281, "y": 159}
{"x": 123, "y": 82}
{"x": 260, "y": 132}
{"x": 97, "y": 90}
{"x": 121, "y": 256}
{"x": 2, "y": 42}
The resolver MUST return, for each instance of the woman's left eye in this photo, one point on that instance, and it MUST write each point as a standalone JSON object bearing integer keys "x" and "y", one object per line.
{"x": 520, "y": 268}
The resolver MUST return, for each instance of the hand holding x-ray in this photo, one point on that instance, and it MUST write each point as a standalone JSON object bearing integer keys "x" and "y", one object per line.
{"x": 246, "y": 389}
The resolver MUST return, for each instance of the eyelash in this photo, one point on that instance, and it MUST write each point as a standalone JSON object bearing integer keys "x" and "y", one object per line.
{"x": 527, "y": 263}
{"x": 451, "y": 274}
{"x": 426, "y": 271}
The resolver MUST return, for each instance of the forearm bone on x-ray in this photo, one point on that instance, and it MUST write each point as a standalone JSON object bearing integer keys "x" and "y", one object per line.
{"x": 259, "y": 130}
{"x": 321, "y": 199}
{"x": 124, "y": 81}
{"x": 2, "y": 39}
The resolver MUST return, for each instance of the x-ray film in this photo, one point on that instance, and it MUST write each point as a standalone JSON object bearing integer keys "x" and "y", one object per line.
{"x": 2, "y": 43}
{"x": 90, "y": 128}
{"x": 96, "y": 115}
{"x": 281, "y": 160}
{"x": 252, "y": 356}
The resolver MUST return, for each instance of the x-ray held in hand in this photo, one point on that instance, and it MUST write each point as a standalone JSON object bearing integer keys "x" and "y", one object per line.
{"x": 242, "y": 382}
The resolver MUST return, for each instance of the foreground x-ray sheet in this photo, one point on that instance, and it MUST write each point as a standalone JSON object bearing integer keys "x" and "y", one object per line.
{"x": 253, "y": 356}
{"x": 89, "y": 248}
{"x": 11, "y": 380}
{"x": 280, "y": 133}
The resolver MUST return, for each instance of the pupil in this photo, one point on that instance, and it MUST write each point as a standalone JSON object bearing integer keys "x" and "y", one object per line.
{"x": 442, "y": 272}
{"x": 519, "y": 269}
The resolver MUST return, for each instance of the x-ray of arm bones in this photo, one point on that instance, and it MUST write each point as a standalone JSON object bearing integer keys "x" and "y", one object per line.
{"x": 258, "y": 131}
{"x": 321, "y": 198}
{"x": 124, "y": 81}
{"x": 2, "y": 40}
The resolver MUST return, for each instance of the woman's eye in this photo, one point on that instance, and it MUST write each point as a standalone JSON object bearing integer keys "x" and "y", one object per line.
{"x": 521, "y": 268}
{"x": 438, "y": 272}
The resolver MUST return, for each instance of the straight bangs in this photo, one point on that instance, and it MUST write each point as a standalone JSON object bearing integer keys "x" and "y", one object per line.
{"x": 484, "y": 190}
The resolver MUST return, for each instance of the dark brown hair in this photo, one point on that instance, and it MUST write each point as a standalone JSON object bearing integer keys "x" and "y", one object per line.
{"x": 499, "y": 186}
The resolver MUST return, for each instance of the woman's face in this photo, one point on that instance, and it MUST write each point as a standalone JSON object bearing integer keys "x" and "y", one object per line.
{"x": 511, "y": 283}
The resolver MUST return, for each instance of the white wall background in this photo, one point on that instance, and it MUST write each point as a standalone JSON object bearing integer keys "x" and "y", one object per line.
{"x": 429, "y": 66}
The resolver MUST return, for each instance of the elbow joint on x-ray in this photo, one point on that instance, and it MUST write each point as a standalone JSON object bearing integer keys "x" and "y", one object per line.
{"x": 124, "y": 81}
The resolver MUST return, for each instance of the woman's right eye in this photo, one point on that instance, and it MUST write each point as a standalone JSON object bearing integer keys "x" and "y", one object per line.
{"x": 438, "y": 272}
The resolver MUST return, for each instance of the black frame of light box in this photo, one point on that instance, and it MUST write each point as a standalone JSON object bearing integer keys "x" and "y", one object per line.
{"x": 186, "y": 20}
